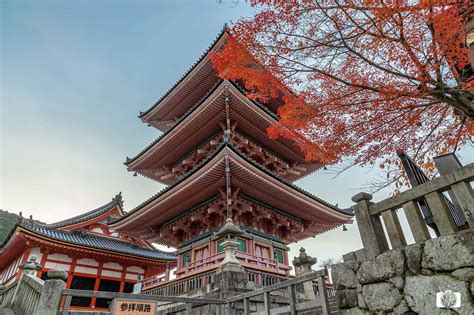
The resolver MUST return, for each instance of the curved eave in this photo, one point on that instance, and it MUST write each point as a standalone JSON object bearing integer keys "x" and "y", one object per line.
{"x": 209, "y": 106}
{"x": 147, "y": 116}
{"x": 91, "y": 216}
{"x": 182, "y": 186}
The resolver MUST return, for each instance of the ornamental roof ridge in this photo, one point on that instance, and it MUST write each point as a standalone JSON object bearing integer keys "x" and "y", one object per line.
{"x": 217, "y": 38}
{"x": 117, "y": 200}
{"x": 228, "y": 143}
{"x": 97, "y": 242}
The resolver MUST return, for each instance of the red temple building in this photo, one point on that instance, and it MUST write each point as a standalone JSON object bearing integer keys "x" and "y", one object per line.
{"x": 95, "y": 256}
{"x": 218, "y": 162}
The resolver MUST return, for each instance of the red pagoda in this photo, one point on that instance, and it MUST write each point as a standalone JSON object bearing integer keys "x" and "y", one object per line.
{"x": 219, "y": 163}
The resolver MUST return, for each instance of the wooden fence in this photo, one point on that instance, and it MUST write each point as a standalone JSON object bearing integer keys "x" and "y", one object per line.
{"x": 322, "y": 299}
{"x": 23, "y": 296}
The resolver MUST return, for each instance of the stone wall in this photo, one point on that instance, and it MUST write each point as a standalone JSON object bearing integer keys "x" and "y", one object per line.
{"x": 405, "y": 281}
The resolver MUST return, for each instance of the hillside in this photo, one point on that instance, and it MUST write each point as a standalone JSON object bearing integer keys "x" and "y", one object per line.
{"x": 7, "y": 222}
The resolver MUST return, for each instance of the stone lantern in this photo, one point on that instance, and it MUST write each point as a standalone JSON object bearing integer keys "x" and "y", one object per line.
{"x": 229, "y": 233}
{"x": 304, "y": 262}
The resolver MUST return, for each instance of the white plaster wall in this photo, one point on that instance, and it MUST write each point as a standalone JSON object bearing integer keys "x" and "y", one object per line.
{"x": 92, "y": 271}
{"x": 87, "y": 261}
{"x": 57, "y": 266}
{"x": 112, "y": 265}
{"x": 60, "y": 257}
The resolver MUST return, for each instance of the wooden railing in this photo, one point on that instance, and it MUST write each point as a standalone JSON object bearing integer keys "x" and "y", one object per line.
{"x": 264, "y": 279}
{"x": 23, "y": 296}
{"x": 189, "y": 302}
{"x": 368, "y": 214}
{"x": 245, "y": 259}
{"x": 181, "y": 286}
{"x": 322, "y": 299}
{"x": 7, "y": 295}
{"x": 290, "y": 305}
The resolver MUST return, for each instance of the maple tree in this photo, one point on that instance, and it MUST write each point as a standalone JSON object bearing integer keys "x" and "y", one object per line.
{"x": 359, "y": 81}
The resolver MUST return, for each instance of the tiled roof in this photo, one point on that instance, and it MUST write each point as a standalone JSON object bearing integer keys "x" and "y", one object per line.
{"x": 183, "y": 117}
{"x": 192, "y": 109}
{"x": 97, "y": 242}
{"x": 117, "y": 200}
{"x": 228, "y": 143}
{"x": 187, "y": 72}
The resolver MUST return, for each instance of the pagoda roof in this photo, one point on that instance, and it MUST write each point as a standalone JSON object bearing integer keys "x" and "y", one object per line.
{"x": 200, "y": 184}
{"x": 88, "y": 241}
{"x": 203, "y": 69}
{"x": 114, "y": 206}
{"x": 180, "y": 139}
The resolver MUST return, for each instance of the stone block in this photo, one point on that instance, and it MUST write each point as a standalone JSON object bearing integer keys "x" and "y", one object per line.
{"x": 360, "y": 254}
{"x": 353, "y": 311}
{"x": 449, "y": 252}
{"x": 56, "y": 274}
{"x": 343, "y": 275}
{"x": 465, "y": 274}
{"x": 50, "y": 298}
{"x": 346, "y": 298}
{"x": 349, "y": 257}
{"x": 398, "y": 282}
{"x": 382, "y": 267}
{"x": 420, "y": 293}
{"x": 381, "y": 296}
{"x": 413, "y": 258}
{"x": 360, "y": 301}
{"x": 401, "y": 308}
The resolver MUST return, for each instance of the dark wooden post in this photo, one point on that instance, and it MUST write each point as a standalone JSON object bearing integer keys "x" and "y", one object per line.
{"x": 189, "y": 309}
{"x": 266, "y": 302}
{"x": 323, "y": 295}
{"x": 370, "y": 227}
{"x": 293, "y": 301}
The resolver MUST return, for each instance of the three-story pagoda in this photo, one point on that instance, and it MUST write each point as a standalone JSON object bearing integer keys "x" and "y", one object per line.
{"x": 218, "y": 162}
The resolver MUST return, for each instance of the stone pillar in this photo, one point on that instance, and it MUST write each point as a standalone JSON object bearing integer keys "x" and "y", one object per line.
{"x": 304, "y": 263}
{"x": 370, "y": 227}
{"x": 51, "y": 295}
{"x": 230, "y": 278}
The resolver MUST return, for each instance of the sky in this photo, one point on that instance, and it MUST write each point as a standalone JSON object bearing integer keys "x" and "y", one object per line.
{"x": 74, "y": 76}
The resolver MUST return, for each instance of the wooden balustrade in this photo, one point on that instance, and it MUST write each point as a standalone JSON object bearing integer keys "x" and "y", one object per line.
{"x": 246, "y": 259}
{"x": 7, "y": 295}
{"x": 68, "y": 294}
{"x": 23, "y": 296}
{"x": 290, "y": 305}
{"x": 181, "y": 286}
{"x": 368, "y": 214}
{"x": 264, "y": 279}
{"x": 290, "y": 286}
